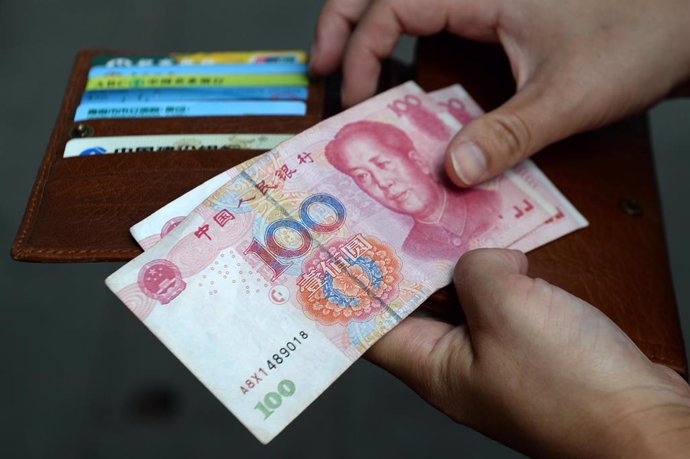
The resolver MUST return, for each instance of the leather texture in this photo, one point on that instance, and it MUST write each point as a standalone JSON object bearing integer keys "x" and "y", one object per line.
{"x": 81, "y": 208}
{"x": 619, "y": 263}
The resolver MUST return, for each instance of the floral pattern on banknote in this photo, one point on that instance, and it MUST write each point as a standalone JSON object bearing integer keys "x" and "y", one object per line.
{"x": 349, "y": 280}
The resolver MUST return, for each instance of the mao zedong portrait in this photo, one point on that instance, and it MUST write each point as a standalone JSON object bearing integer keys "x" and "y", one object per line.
{"x": 383, "y": 162}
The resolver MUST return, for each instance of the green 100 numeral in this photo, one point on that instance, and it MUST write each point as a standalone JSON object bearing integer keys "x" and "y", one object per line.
{"x": 273, "y": 400}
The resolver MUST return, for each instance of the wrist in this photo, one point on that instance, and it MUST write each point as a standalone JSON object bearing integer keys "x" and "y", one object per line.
{"x": 663, "y": 432}
{"x": 651, "y": 422}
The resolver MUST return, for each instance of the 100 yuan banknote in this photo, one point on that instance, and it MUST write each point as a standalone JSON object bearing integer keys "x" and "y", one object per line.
{"x": 150, "y": 230}
{"x": 460, "y": 106}
{"x": 285, "y": 275}
{"x": 458, "y": 103}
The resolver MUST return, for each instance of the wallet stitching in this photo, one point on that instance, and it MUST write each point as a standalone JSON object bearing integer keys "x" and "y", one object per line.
{"x": 37, "y": 194}
{"x": 77, "y": 251}
{"x": 35, "y": 197}
{"x": 134, "y": 172}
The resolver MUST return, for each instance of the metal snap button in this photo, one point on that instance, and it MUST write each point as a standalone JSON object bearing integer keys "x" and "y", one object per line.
{"x": 81, "y": 130}
{"x": 631, "y": 207}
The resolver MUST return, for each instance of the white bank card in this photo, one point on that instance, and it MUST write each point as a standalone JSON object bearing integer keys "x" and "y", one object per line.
{"x": 91, "y": 146}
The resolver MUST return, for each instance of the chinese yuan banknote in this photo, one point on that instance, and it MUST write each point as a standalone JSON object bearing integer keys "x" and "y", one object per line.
{"x": 457, "y": 103}
{"x": 154, "y": 227}
{"x": 306, "y": 256}
{"x": 455, "y": 100}
{"x": 149, "y": 231}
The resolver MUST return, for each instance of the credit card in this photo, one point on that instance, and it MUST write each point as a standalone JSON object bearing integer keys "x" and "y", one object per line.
{"x": 221, "y": 69}
{"x": 198, "y": 80}
{"x": 246, "y": 57}
{"x": 223, "y": 57}
{"x": 92, "y": 146}
{"x": 179, "y": 94}
{"x": 170, "y": 109}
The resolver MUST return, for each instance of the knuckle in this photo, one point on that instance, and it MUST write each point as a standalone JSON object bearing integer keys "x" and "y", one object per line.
{"x": 476, "y": 257}
{"x": 540, "y": 290}
{"x": 466, "y": 262}
{"x": 515, "y": 284}
{"x": 510, "y": 134}
{"x": 338, "y": 9}
{"x": 330, "y": 8}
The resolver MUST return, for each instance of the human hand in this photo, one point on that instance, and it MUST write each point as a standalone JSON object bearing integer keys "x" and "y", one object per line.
{"x": 539, "y": 369}
{"x": 577, "y": 64}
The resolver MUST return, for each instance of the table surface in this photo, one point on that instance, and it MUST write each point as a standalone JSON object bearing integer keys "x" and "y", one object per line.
{"x": 619, "y": 263}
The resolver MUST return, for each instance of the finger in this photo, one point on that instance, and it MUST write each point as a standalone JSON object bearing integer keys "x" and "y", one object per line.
{"x": 375, "y": 38}
{"x": 539, "y": 114}
{"x": 333, "y": 28}
{"x": 382, "y": 24}
{"x": 413, "y": 351}
{"x": 484, "y": 280}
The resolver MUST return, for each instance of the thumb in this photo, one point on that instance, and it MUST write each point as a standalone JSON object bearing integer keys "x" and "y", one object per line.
{"x": 421, "y": 350}
{"x": 485, "y": 280}
{"x": 413, "y": 351}
{"x": 533, "y": 118}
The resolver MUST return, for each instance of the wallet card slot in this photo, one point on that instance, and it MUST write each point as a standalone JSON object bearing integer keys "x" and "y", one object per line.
{"x": 151, "y": 162}
{"x": 81, "y": 207}
{"x": 193, "y": 125}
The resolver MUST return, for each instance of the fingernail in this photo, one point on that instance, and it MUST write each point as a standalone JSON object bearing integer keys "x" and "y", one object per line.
{"x": 469, "y": 162}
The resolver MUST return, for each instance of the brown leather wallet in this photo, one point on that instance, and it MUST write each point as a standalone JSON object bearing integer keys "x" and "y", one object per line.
{"x": 81, "y": 208}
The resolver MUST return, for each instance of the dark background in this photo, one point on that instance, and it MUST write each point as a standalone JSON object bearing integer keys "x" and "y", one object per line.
{"x": 82, "y": 378}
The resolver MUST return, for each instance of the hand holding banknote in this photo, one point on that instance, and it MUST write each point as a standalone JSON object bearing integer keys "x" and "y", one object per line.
{"x": 303, "y": 258}
{"x": 539, "y": 369}
{"x": 577, "y": 65}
